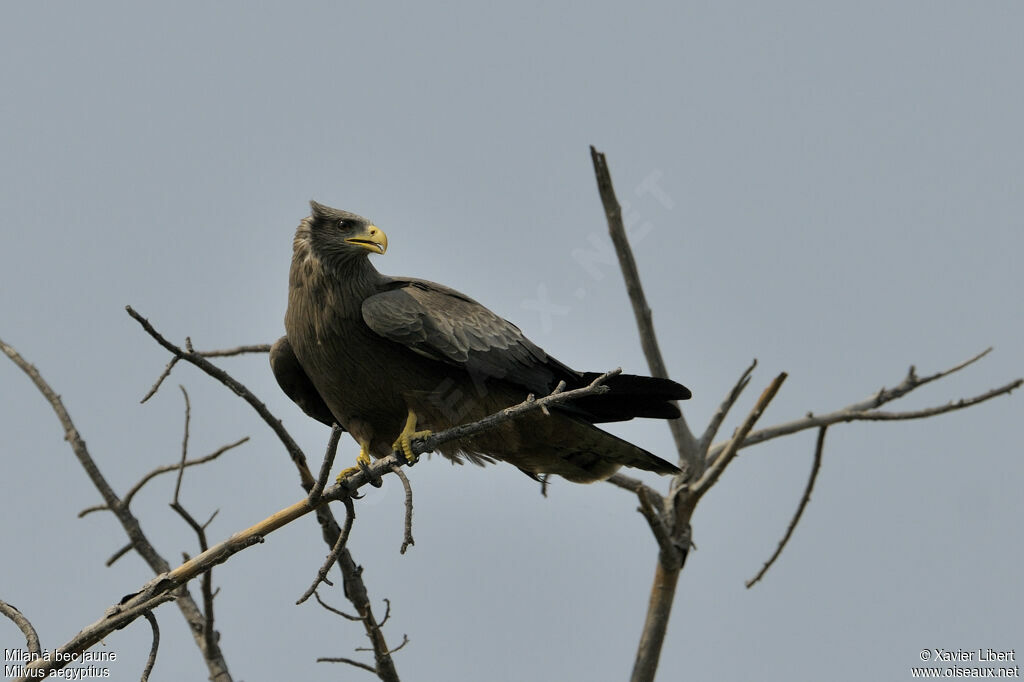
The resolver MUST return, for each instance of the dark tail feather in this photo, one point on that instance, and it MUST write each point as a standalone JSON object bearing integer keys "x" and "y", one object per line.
{"x": 630, "y": 396}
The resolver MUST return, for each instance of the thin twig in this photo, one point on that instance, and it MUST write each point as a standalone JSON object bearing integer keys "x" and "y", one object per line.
{"x": 878, "y": 415}
{"x": 405, "y": 640}
{"x": 430, "y": 443}
{"x": 804, "y": 500}
{"x": 407, "y": 540}
{"x": 357, "y": 664}
{"x": 627, "y": 482}
{"x": 719, "y": 416}
{"x": 338, "y": 612}
{"x": 321, "y": 575}
{"x": 184, "y": 443}
{"x": 207, "y": 579}
{"x": 177, "y": 466}
{"x": 237, "y": 350}
{"x": 23, "y": 623}
{"x": 118, "y": 554}
{"x": 325, "y": 467}
{"x": 866, "y": 410}
{"x": 151, "y": 661}
{"x": 200, "y": 529}
{"x": 718, "y": 466}
{"x": 163, "y": 375}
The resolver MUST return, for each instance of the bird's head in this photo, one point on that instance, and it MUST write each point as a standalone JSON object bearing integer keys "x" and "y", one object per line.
{"x": 340, "y": 234}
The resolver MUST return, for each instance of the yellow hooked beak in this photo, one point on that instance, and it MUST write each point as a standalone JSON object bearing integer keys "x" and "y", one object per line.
{"x": 372, "y": 239}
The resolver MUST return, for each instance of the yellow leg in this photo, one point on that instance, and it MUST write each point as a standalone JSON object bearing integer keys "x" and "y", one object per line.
{"x": 361, "y": 457}
{"x": 404, "y": 442}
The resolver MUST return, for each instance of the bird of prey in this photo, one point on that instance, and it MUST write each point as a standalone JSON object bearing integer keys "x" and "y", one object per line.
{"x": 382, "y": 356}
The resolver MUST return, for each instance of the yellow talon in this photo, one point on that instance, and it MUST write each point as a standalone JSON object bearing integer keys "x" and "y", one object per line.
{"x": 362, "y": 457}
{"x": 404, "y": 442}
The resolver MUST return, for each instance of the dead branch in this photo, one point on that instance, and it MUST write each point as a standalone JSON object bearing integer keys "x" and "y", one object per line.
{"x": 686, "y": 444}
{"x": 298, "y": 457}
{"x": 865, "y": 410}
{"x": 237, "y": 350}
{"x": 316, "y": 595}
{"x": 321, "y": 575}
{"x": 160, "y": 380}
{"x": 166, "y": 469}
{"x": 405, "y": 640}
{"x": 328, "y": 463}
{"x": 177, "y": 467}
{"x": 720, "y": 463}
{"x": 214, "y": 658}
{"x": 357, "y": 664}
{"x": 23, "y": 623}
{"x": 707, "y": 465}
{"x": 430, "y": 443}
{"x": 407, "y": 540}
{"x": 670, "y": 553}
{"x": 151, "y": 661}
{"x": 804, "y": 500}
{"x": 200, "y": 530}
{"x": 719, "y": 416}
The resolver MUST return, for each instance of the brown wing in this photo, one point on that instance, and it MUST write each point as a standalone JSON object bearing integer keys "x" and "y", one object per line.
{"x": 445, "y": 325}
{"x": 296, "y": 384}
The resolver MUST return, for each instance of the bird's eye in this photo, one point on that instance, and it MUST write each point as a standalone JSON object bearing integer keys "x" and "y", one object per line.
{"x": 344, "y": 224}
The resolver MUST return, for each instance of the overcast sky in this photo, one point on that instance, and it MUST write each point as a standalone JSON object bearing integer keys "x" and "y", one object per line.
{"x": 840, "y": 192}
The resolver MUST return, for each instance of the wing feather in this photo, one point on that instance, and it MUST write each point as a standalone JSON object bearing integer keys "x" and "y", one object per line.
{"x": 448, "y": 326}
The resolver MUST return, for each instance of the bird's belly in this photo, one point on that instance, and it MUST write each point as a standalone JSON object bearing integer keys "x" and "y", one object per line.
{"x": 365, "y": 381}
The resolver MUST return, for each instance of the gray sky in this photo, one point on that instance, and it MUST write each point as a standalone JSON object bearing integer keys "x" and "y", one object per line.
{"x": 842, "y": 197}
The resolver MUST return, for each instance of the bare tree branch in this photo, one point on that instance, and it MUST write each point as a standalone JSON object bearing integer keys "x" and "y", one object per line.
{"x": 686, "y": 444}
{"x": 405, "y": 640}
{"x": 237, "y": 350}
{"x": 865, "y": 410}
{"x": 214, "y": 657}
{"x": 261, "y": 348}
{"x": 118, "y": 554}
{"x": 184, "y": 443}
{"x": 431, "y": 442}
{"x": 316, "y": 595}
{"x": 151, "y": 661}
{"x": 719, "y": 416}
{"x": 325, "y": 467}
{"x": 628, "y": 483}
{"x": 23, "y": 623}
{"x": 407, "y": 540}
{"x": 804, "y": 500}
{"x": 656, "y": 520}
{"x": 357, "y": 664}
{"x": 115, "y": 618}
{"x": 176, "y": 467}
{"x": 160, "y": 379}
{"x": 294, "y": 451}
{"x": 703, "y": 462}
{"x": 720, "y": 463}
{"x": 321, "y": 575}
